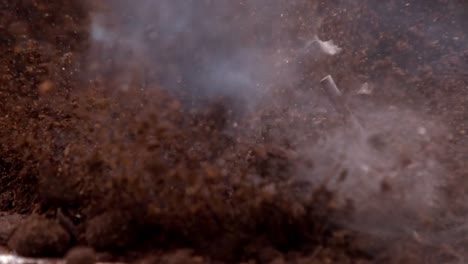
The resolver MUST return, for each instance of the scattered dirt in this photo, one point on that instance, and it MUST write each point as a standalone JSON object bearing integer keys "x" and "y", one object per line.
{"x": 140, "y": 175}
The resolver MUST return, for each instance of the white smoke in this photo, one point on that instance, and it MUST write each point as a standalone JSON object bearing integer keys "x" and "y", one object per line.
{"x": 390, "y": 170}
{"x": 205, "y": 48}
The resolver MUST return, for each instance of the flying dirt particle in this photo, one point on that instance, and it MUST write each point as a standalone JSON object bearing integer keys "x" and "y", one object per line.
{"x": 109, "y": 230}
{"x": 385, "y": 186}
{"x": 180, "y": 256}
{"x": 46, "y": 87}
{"x": 18, "y": 28}
{"x": 422, "y": 131}
{"x": 81, "y": 255}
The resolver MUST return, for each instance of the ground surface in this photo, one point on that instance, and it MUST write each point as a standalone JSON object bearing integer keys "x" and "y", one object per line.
{"x": 139, "y": 174}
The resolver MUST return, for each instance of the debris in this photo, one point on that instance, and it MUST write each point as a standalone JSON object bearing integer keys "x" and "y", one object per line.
{"x": 335, "y": 95}
{"x": 46, "y": 87}
{"x": 328, "y": 47}
{"x": 366, "y": 89}
{"x": 422, "y": 131}
{"x": 336, "y": 98}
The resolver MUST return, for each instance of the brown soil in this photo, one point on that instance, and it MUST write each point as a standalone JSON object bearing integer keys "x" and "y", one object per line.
{"x": 38, "y": 237}
{"x": 139, "y": 175}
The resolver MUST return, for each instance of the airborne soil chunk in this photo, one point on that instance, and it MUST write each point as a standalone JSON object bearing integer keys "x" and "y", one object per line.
{"x": 38, "y": 236}
{"x": 8, "y": 224}
{"x": 111, "y": 230}
{"x": 81, "y": 255}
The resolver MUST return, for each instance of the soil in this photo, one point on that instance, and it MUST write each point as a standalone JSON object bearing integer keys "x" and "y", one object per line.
{"x": 81, "y": 255}
{"x": 139, "y": 175}
{"x": 30, "y": 238}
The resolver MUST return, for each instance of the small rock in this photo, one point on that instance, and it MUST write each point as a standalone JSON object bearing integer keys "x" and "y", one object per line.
{"x": 39, "y": 236}
{"x": 81, "y": 255}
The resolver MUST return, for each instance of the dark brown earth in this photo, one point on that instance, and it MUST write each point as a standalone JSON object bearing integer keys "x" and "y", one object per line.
{"x": 138, "y": 175}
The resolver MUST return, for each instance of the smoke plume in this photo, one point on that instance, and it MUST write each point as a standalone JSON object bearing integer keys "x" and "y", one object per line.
{"x": 202, "y": 49}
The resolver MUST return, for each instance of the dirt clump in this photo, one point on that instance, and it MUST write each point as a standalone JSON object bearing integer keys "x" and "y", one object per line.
{"x": 110, "y": 230}
{"x": 8, "y": 224}
{"x": 81, "y": 255}
{"x": 39, "y": 236}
